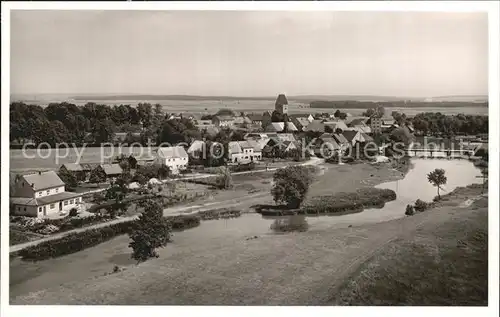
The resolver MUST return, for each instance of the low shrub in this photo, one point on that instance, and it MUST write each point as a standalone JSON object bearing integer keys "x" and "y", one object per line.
{"x": 219, "y": 214}
{"x": 73, "y": 212}
{"x": 183, "y": 222}
{"x": 410, "y": 211}
{"x": 242, "y": 167}
{"x": 421, "y": 205}
{"x": 208, "y": 181}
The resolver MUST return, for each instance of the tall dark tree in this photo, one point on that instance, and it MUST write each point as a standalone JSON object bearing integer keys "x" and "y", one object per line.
{"x": 150, "y": 232}
{"x": 291, "y": 185}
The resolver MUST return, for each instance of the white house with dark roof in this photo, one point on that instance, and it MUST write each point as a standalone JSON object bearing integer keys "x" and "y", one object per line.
{"x": 244, "y": 151}
{"x": 43, "y": 194}
{"x": 175, "y": 157}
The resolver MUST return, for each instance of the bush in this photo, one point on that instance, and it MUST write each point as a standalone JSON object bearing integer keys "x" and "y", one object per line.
{"x": 73, "y": 212}
{"x": 243, "y": 167}
{"x": 421, "y": 205}
{"x": 218, "y": 214}
{"x": 183, "y": 222}
{"x": 410, "y": 211}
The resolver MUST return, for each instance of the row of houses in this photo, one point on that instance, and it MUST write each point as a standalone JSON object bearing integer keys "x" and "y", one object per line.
{"x": 299, "y": 123}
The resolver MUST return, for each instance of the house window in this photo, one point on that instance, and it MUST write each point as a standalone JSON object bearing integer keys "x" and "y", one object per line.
{"x": 39, "y": 193}
{"x": 48, "y": 191}
{"x": 24, "y": 208}
{"x": 65, "y": 203}
{"x": 39, "y": 209}
{"x": 52, "y": 206}
{"x": 57, "y": 189}
{"x": 71, "y": 201}
{"x": 18, "y": 208}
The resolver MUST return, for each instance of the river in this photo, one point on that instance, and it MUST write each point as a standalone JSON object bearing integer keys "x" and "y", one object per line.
{"x": 414, "y": 186}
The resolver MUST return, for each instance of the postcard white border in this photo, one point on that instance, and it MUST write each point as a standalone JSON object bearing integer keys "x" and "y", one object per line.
{"x": 492, "y": 7}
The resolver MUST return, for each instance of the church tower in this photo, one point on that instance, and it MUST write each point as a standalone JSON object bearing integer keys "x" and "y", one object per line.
{"x": 281, "y": 104}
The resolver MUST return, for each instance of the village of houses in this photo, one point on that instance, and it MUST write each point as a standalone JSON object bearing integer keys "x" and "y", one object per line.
{"x": 43, "y": 194}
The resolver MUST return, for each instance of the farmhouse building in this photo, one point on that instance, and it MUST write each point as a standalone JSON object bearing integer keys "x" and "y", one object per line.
{"x": 43, "y": 194}
{"x": 223, "y": 121}
{"x": 175, "y": 157}
{"x": 244, "y": 151}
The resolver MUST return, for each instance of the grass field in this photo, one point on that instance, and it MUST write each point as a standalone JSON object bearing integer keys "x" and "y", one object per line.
{"x": 442, "y": 265}
{"x": 306, "y": 268}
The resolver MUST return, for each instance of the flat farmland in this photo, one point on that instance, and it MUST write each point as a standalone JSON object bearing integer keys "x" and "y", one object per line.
{"x": 51, "y": 159}
{"x": 211, "y": 106}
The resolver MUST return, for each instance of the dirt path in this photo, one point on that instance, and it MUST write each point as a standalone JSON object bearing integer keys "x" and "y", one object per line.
{"x": 298, "y": 268}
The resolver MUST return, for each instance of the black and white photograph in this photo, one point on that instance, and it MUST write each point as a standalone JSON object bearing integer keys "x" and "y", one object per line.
{"x": 250, "y": 157}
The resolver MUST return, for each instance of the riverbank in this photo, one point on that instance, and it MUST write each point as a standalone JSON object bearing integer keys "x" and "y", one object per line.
{"x": 444, "y": 263}
{"x": 306, "y": 268}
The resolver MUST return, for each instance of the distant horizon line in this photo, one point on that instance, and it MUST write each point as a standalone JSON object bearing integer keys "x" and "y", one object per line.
{"x": 81, "y": 95}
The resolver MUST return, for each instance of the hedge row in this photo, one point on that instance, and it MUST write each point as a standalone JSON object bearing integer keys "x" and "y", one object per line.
{"x": 219, "y": 214}
{"x": 208, "y": 181}
{"x": 75, "y": 242}
{"x": 242, "y": 167}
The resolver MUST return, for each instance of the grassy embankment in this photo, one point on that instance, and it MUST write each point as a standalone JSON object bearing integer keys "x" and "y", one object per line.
{"x": 439, "y": 265}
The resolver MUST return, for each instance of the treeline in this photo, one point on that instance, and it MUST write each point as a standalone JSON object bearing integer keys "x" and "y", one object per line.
{"x": 66, "y": 122}
{"x": 348, "y": 104}
{"x": 436, "y": 123}
{"x": 95, "y": 124}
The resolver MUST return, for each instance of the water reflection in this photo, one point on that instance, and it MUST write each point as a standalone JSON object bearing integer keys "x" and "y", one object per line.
{"x": 290, "y": 224}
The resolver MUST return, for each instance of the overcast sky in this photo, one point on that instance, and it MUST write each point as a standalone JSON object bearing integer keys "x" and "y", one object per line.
{"x": 249, "y": 53}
